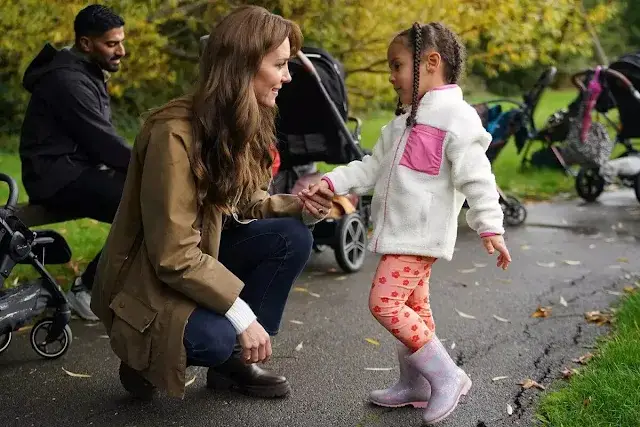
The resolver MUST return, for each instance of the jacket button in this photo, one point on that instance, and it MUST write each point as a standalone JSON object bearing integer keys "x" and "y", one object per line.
{"x": 121, "y": 304}
{"x": 146, "y": 320}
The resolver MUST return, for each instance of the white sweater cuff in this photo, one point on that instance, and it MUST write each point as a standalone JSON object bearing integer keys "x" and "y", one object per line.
{"x": 240, "y": 315}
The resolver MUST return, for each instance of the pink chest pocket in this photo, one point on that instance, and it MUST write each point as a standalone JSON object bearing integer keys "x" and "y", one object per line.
{"x": 423, "y": 150}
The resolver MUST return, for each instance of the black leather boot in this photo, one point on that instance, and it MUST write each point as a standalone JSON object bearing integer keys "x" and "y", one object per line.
{"x": 250, "y": 379}
{"x": 135, "y": 383}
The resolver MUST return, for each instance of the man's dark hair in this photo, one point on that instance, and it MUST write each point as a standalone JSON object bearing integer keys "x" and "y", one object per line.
{"x": 95, "y": 20}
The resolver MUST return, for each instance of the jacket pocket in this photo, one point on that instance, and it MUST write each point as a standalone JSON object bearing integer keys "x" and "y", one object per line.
{"x": 423, "y": 150}
{"x": 130, "y": 332}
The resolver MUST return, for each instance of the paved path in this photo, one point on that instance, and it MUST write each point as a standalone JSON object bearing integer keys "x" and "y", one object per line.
{"x": 329, "y": 372}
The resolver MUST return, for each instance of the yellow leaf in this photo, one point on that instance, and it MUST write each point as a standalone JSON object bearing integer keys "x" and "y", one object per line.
{"x": 372, "y": 341}
{"x": 72, "y": 374}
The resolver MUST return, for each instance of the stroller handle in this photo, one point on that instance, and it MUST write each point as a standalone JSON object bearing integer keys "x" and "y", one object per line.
{"x": 13, "y": 191}
{"x": 616, "y": 74}
{"x": 308, "y": 65}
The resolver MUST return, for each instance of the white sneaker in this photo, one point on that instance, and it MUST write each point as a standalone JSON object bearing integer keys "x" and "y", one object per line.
{"x": 80, "y": 301}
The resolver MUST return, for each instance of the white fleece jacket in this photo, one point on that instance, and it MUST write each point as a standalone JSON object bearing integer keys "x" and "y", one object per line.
{"x": 422, "y": 175}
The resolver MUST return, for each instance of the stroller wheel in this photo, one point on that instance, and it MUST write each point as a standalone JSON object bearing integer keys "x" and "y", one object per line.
{"x": 589, "y": 184}
{"x": 514, "y": 211}
{"x": 54, "y": 349}
{"x": 351, "y": 243}
{"x": 5, "y": 340}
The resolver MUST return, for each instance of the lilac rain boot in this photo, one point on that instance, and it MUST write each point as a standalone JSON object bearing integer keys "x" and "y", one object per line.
{"x": 448, "y": 382}
{"x": 411, "y": 389}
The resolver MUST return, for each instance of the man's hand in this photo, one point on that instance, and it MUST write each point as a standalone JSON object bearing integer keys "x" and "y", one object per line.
{"x": 255, "y": 343}
{"x": 317, "y": 199}
{"x": 496, "y": 243}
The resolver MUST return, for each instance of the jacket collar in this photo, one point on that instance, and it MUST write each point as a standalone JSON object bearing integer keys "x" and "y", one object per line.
{"x": 441, "y": 94}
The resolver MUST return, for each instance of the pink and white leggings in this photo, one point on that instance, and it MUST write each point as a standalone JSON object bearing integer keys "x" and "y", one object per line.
{"x": 399, "y": 298}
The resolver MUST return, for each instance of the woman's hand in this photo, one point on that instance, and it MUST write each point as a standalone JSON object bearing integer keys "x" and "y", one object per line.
{"x": 317, "y": 199}
{"x": 496, "y": 243}
{"x": 255, "y": 343}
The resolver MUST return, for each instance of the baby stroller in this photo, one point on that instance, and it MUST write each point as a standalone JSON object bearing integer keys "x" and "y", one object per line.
{"x": 587, "y": 143}
{"x": 312, "y": 127}
{"x": 51, "y": 336}
{"x": 516, "y": 122}
{"x": 605, "y": 89}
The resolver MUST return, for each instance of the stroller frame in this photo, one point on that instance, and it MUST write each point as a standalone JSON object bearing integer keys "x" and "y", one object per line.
{"x": 27, "y": 301}
{"x": 589, "y": 183}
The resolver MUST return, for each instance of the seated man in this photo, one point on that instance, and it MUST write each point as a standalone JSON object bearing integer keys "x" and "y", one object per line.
{"x": 73, "y": 161}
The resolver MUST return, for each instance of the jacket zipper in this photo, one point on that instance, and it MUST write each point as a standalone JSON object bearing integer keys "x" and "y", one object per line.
{"x": 386, "y": 192}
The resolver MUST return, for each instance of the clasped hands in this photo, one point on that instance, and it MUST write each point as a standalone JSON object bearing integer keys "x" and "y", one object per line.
{"x": 317, "y": 199}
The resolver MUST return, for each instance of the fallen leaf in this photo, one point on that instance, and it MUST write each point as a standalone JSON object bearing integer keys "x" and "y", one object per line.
{"x": 191, "y": 381}
{"x": 500, "y": 319}
{"x": 587, "y": 401}
{"x": 466, "y": 316}
{"x": 583, "y": 360}
{"x": 614, "y": 293}
{"x": 509, "y": 409}
{"x": 72, "y": 374}
{"x": 629, "y": 289}
{"x": 300, "y": 289}
{"x": 563, "y": 302}
{"x": 106, "y": 337}
{"x": 546, "y": 264}
{"x": 453, "y": 345}
{"x": 542, "y": 312}
{"x": 313, "y": 294}
{"x": 467, "y": 271}
{"x": 372, "y": 341}
{"x": 341, "y": 278}
{"x": 568, "y": 373}
{"x": 479, "y": 265}
{"x": 525, "y": 247}
{"x": 476, "y": 283}
{"x": 378, "y": 369}
{"x": 597, "y": 317}
{"x": 623, "y": 260}
{"x": 299, "y": 347}
{"x": 499, "y": 378}
{"x": 528, "y": 383}
{"x": 296, "y": 322}
{"x": 570, "y": 262}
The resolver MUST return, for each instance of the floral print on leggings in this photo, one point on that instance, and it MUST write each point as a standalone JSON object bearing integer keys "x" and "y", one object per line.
{"x": 399, "y": 298}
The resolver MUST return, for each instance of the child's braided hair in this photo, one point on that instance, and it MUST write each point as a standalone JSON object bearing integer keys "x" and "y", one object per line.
{"x": 435, "y": 36}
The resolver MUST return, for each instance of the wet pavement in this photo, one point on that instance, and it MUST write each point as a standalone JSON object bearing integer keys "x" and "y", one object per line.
{"x": 570, "y": 257}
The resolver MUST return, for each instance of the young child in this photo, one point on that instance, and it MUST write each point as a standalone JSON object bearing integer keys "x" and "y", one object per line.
{"x": 422, "y": 168}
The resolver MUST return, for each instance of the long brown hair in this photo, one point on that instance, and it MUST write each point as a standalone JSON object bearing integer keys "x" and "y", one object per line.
{"x": 232, "y": 131}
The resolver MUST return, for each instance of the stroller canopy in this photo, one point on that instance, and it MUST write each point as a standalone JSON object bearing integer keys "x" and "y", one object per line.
{"x": 618, "y": 95}
{"x": 306, "y": 128}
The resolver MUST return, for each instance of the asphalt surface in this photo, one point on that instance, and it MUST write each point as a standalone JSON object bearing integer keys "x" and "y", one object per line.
{"x": 329, "y": 371}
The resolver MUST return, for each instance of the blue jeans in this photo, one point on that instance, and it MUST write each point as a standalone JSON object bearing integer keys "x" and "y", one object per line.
{"x": 267, "y": 255}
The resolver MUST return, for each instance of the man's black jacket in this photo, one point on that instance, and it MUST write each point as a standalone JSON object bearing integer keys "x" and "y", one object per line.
{"x": 67, "y": 126}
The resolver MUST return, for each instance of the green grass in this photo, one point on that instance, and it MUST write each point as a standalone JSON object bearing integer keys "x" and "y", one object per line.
{"x": 606, "y": 393}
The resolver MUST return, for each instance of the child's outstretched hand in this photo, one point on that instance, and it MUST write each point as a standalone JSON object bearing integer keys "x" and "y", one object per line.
{"x": 496, "y": 243}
